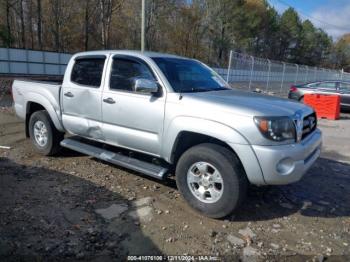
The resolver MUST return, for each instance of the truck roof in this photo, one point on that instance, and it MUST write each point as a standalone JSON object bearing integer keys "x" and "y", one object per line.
{"x": 130, "y": 52}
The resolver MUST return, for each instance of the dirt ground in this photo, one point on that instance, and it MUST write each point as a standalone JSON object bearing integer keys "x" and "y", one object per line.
{"x": 74, "y": 207}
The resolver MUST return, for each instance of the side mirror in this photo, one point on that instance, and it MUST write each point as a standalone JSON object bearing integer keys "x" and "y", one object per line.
{"x": 146, "y": 86}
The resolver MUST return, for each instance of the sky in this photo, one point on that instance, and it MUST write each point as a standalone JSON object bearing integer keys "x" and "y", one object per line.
{"x": 333, "y": 16}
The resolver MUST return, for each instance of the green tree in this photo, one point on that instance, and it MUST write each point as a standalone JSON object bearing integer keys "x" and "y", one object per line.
{"x": 222, "y": 20}
{"x": 307, "y": 44}
{"x": 323, "y": 48}
{"x": 341, "y": 53}
{"x": 290, "y": 29}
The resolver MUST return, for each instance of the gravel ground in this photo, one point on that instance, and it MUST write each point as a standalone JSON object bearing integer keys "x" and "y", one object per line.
{"x": 75, "y": 207}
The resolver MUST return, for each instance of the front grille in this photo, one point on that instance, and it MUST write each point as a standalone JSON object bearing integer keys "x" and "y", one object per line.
{"x": 309, "y": 125}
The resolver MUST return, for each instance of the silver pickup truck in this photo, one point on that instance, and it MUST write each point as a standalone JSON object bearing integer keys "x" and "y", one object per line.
{"x": 161, "y": 114}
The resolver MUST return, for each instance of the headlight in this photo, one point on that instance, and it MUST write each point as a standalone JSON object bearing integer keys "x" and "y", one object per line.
{"x": 276, "y": 128}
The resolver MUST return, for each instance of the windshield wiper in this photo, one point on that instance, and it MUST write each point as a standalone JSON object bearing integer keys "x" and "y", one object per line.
{"x": 195, "y": 90}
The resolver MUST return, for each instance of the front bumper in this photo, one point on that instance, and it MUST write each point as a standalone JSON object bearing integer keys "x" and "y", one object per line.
{"x": 288, "y": 163}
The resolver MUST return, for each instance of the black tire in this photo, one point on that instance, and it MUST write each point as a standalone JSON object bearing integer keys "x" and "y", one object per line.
{"x": 234, "y": 179}
{"x": 54, "y": 137}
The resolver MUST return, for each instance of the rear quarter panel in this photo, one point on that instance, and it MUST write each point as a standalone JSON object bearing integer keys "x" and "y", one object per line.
{"x": 47, "y": 95}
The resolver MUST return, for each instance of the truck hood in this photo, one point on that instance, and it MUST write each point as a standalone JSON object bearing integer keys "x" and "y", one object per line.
{"x": 246, "y": 103}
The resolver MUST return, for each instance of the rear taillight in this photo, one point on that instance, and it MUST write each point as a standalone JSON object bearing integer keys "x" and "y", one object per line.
{"x": 293, "y": 89}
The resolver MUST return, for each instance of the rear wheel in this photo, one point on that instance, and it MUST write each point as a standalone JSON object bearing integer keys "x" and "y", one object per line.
{"x": 43, "y": 133}
{"x": 211, "y": 179}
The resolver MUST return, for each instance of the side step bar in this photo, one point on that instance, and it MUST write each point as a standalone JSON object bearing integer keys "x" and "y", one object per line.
{"x": 146, "y": 168}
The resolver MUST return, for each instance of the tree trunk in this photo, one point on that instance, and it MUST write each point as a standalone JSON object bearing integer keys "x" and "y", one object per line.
{"x": 108, "y": 7}
{"x": 103, "y": 27}
{"x": 86, "y": 37}
{"x": 56, "y": 13}
{"x": 39, "y": 25}
{"x": 221, "y": 46}
{"x": 23, "y": 32}
{"x": 31, "y": 24}
{"x": 8, "y": 24}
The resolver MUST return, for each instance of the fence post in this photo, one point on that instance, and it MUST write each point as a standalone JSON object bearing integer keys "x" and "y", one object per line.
{"x": 284, "y": 69}
{"x": 229, "y": 67}
{"x": 27, "y": 62}
{"x": 59, "y": 63}
{"x": 323, "y": 74}
{"x": 44, "y": 61}
{"x": 296, "y": 75}
{"x": 268, "y": 74}
{"x": 342, "y": 73}
{"x": 251, "y": 72}
{"x": 315, "y": 73}
{"x": 8, "y": 60}
{"x": 307, "y": 73}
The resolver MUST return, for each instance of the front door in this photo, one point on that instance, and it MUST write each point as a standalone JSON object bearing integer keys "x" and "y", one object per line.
{"x": 344, "y": 90}
{"x": 81, "y": 97}
{"x": 131, "y": 119}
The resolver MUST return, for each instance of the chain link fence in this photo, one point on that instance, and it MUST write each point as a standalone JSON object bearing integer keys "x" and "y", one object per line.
{"x": 273, "y": 77}
{"x": 244, "y": 71}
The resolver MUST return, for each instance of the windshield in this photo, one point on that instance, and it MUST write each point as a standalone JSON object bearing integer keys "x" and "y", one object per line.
{"x": 185, "y": 75}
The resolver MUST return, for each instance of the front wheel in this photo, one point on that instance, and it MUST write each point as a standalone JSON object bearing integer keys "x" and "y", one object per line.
{"x": 211, "y": 179}
{"x": 43, "y": 133}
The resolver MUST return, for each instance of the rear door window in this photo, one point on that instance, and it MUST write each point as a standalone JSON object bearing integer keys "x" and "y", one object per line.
{"x": 328, "y": 85}
{"x": 88, "y": 71}
{"x": 313, "y": 85}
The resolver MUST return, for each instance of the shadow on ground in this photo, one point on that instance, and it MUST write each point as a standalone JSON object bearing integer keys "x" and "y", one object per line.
{"x": 49, "y": 215}
{"x": 323, "y": 192}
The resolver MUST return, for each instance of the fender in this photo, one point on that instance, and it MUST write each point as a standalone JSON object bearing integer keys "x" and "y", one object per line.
{"x": 50, "y": 105}
{"x": 222, "y": 132}
{"x": 202, "y": 126}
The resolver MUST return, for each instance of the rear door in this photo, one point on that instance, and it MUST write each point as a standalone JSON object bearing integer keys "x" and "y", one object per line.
{"x": 132, "y": 119}
{"x": 344, "y": 90}
{"x": 81, "y": 97}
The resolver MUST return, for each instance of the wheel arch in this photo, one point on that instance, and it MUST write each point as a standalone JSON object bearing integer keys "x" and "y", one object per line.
{"x": 37, "y": 104}
{"x": 186, "y": 132}
{"x": 184, "y": 127}
{"x": 188, "y": 139}
{"x": 244, "y": 153}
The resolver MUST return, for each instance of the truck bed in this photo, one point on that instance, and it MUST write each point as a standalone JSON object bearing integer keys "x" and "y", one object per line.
{"x": 45, "y": 93}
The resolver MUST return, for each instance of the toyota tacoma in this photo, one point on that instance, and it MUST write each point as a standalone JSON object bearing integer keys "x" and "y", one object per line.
{"x": 176, "y": 116}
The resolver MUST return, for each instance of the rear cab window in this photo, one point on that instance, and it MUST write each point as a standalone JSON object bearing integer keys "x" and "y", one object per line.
{"x": 87, "y": 71}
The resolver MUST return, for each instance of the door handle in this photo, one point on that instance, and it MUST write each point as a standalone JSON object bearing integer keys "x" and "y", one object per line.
{"x": 109, "y": 100}
{"x": 69, "y": 94}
